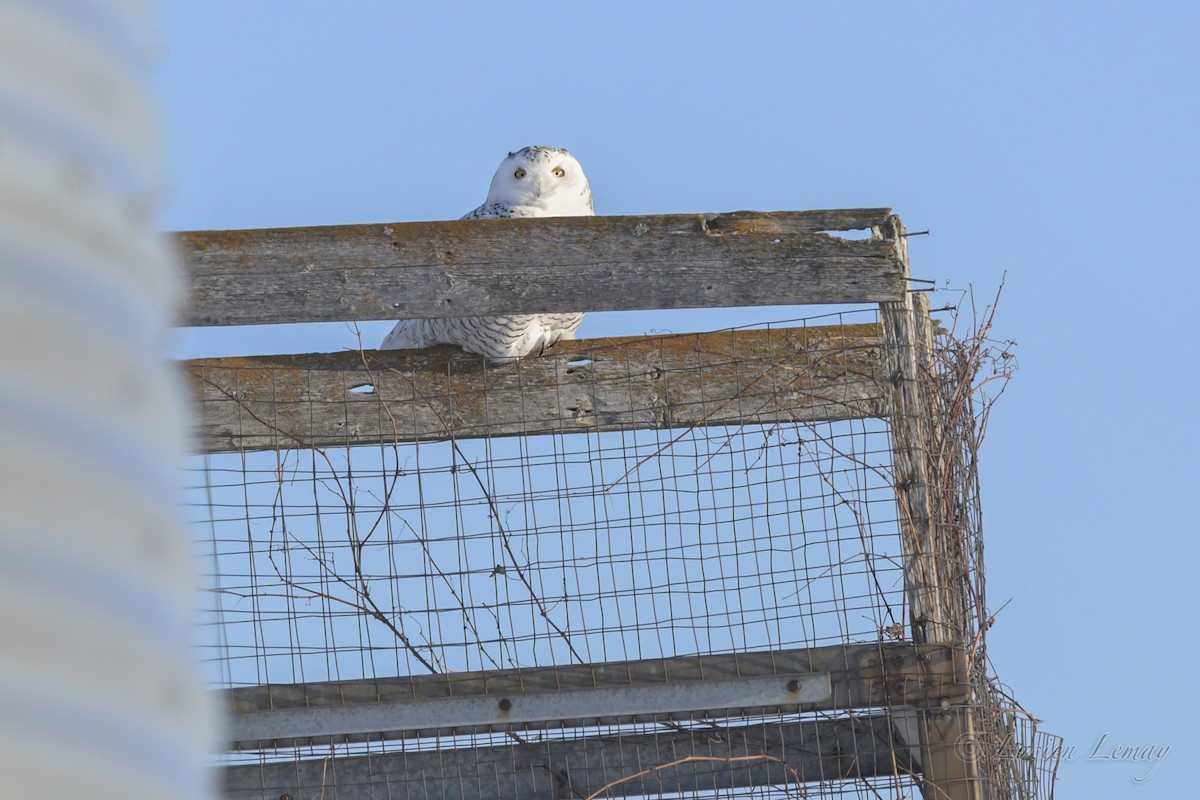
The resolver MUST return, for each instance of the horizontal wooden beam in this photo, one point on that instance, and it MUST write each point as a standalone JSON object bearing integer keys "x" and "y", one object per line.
{"x": 861, "y": 676}
{"x": 533, "y": 709}
{"x": 467, "y": 267}
{"x": 702, "y": 761}
{"x": 727, "y": 378}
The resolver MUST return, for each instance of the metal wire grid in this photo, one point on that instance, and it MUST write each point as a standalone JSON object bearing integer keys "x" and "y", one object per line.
{"x": 1019, "y": 760}
{"x": 489, "y": 554}
{"x": 358, "y": 562}
{"x": 362, "y": 562}
{"x": 755, "y": 755}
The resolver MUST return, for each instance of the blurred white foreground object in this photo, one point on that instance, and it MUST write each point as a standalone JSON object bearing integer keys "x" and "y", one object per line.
{"x": 99, "y": 696}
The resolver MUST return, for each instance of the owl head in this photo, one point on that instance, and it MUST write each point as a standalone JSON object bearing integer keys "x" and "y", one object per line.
{"x": 546, "y": 180}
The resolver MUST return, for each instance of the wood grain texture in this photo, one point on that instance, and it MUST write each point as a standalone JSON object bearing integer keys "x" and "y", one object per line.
{"x": 855, "y": 668}
{"x": 819, "y": 750}
{"x": 933, "y": 564}
{"x": 353, "y": 398}
{"x": 465, "y": 267}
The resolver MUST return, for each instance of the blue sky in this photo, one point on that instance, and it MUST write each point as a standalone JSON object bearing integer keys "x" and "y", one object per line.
{"x": 1052, "y": 143}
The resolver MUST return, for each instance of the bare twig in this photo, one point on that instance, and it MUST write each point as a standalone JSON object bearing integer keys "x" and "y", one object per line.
{"x": 688, "y": 759}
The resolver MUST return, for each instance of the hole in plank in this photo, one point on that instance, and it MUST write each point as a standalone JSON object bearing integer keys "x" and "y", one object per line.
{"x": 363, "y": 388}
{"x": 854, "y": 235}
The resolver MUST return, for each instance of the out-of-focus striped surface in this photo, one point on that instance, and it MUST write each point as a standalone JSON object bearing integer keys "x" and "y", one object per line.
{"x": 98, "y": 694}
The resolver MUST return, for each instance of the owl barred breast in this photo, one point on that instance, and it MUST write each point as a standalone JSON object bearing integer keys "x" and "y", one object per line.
{"x": 532, "y": 182}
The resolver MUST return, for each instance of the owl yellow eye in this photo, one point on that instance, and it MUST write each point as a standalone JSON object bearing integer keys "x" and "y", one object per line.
{"x": 558, "y": 172}
{"x": 520, "y": 173}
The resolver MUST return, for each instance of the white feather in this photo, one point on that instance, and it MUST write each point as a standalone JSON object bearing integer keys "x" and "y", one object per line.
{"x": 532, "y": 182}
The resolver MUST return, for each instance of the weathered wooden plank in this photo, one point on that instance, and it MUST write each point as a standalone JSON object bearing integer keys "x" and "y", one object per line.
{"x": 464, "y": 267}
{"x": 860, "y": 676}
{"x": 728, "y": 378}
{"x": 952, "y": 770}
{"x": 775, "y": 754}
{"x": 535, "y": 710}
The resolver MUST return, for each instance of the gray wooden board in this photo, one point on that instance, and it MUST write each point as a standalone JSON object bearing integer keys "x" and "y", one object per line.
{"x": 859, "y": 676}
{"x": 535, "y": 709}
{"x": 821, "y": 750}
{"x": 466, "y": 267}
{"x": 728, "y": 378}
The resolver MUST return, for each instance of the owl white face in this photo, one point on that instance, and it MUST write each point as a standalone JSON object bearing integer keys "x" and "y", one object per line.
{"x": 545, "y": 180}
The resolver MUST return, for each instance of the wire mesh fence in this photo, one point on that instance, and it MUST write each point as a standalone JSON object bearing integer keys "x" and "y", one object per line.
{"x": 433, "y": 556}
{"x": 623, "y": 508}
{"x": 748, "y": 757}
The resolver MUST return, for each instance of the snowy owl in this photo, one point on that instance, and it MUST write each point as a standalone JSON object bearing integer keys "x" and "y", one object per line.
{"x": 533, "y": 182}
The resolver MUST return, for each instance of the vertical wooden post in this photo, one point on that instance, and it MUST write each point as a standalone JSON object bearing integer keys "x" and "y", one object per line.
{"x": 949, "y": 761}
